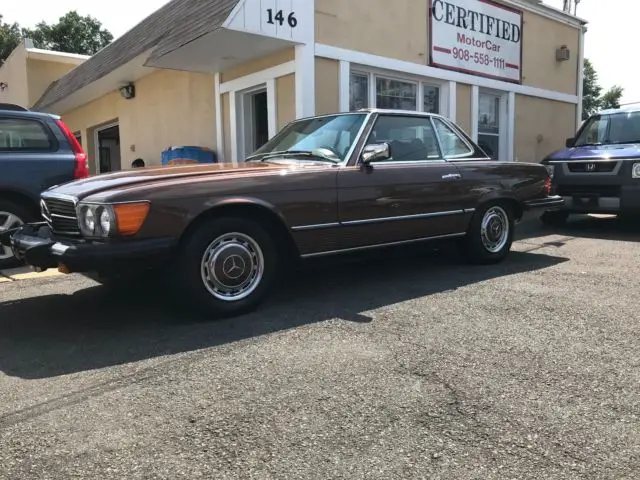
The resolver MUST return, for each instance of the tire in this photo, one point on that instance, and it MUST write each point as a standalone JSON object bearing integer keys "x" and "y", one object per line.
{"x": 477, "y": 245}
{"x": 241, "y": 253}
{"x": 11, "y": 215}
{"x": 554, "y": 218}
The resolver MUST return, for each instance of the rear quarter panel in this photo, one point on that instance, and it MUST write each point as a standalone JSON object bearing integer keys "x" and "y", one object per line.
{"x": 487, "y": 180}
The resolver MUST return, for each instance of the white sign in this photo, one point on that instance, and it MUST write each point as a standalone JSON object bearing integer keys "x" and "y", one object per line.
{"x": 285, "y": 19}
{"x": 478, "y": 37}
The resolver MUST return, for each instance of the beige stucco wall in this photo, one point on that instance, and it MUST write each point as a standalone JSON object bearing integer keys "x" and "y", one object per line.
{"x": 327, "y": 86}
{"x": 171, "y": 108}
{"x": 541, "y": 127}
{"x": 373, "y": 26}
{"x": 14, "y": 73}
{"x": 41, "y": 73}
{"x": 463, "y": 107}
{"x": 541, "y": 37}
{"x": 268, "y": 61}
{"x": 286, "y": 99}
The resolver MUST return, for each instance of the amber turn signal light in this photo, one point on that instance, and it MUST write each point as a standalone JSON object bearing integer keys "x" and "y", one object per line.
{"x": 130, "y": 217}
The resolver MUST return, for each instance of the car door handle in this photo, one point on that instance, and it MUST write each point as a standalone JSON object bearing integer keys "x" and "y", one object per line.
{"x": 451, "y": 176}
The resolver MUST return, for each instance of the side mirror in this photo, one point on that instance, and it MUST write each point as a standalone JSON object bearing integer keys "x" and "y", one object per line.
{"x": 375, "y": 151}
{"x": 569, "y": 142}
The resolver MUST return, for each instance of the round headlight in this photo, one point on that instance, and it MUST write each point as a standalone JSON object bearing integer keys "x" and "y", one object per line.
{"x": 635, "y": 172}
{"x": 89, "y": 219}
{"x": 105, "y": 221}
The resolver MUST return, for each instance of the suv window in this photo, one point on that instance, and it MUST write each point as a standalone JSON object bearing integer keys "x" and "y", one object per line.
{"x": 18, "y": 134}
{"x": 452, "y": 145}
{"x": 615, "y": 128}
{"x": 410, "y": 138}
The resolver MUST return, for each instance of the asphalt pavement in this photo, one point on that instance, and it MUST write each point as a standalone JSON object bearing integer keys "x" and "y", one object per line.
{"x": 401, "y": 364}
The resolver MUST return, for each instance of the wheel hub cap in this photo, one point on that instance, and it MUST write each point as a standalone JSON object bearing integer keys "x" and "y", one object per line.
{"x": 232, "y": 267}
{"x": 8, "y": 221}
{"x": 495, "y": 229}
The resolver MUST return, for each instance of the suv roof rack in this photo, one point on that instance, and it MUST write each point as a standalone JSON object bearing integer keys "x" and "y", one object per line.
{"x": 13, "y": 107}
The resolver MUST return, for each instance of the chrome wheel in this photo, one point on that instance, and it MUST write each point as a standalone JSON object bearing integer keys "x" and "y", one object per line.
{"x": 232, "y": 267}
{"x": 8, "y": 221}
{"x": 494, "y": 229}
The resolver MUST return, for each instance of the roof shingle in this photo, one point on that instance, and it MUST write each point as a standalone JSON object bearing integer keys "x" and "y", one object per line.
{"x": 177, "y": 23}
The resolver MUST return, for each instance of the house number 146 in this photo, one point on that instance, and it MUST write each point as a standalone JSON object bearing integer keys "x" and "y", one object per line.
{"x": 279, "y": 18}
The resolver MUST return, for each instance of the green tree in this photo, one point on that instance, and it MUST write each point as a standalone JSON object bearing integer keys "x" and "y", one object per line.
{"x": 611, "y": 98}
{"x": 10, "y": 36}
{"x": 73, "y": 34}
{"x": 590, "y": 90}
{"x": 592, "y": 100}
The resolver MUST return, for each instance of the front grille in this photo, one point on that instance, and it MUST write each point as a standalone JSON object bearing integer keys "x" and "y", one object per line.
{"x": 601, "y": 190}
{"x": 61, "y": 216}
{"x": 591, "y": 167}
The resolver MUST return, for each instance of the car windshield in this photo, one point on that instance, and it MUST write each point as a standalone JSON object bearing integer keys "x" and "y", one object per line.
{"x": 327, "y": 138}
{"x": 610, "y": 129}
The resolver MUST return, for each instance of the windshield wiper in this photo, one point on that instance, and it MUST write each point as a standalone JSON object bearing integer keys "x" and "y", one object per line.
{"x": 288, "y": 153}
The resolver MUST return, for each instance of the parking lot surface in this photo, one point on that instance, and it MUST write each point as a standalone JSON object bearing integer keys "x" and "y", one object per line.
{"x": 399, "y": 364}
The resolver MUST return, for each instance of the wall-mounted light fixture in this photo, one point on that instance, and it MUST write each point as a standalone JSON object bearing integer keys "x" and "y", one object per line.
{"x": 128, "y": 91}
{"x": 563, "y": 54}
{"x": 3, "y": 86}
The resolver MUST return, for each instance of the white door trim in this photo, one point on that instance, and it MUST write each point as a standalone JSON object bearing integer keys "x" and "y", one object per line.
{"x": 475, "y": 111}
{"x": 219, "y": 126}
{"x": 365, "y": 59}
{"x": 96, "y": 144}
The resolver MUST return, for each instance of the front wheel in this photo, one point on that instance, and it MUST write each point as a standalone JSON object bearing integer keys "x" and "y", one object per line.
{"x": 490, "y": 234}
{"x": 12, "y": 215}
{"x": 227, "y": 266}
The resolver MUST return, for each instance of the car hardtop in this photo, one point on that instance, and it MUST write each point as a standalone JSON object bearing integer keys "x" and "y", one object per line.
{"x": 17, "y": 111}
{"x": 606, "y": 151}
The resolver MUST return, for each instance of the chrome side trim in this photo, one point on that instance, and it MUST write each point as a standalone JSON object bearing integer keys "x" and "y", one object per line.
{"x": 319, "y": 226}
{"x": 469, "y": 210}
{"x": 380, "y": 245}
{"x": 403, "y": 217}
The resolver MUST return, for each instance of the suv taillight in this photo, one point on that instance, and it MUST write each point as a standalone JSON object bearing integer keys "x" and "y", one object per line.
{"x": 547, "y": 185}
{"x": 82, "y": 167}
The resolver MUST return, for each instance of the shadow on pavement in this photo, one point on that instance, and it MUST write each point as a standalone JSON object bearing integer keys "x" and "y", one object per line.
{"x": 587, "y": 226}
{"x": 53, "y": 335}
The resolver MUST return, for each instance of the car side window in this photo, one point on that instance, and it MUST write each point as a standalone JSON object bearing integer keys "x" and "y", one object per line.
{"x": 453, "y": 146}
{"x": 20, "y": 134}
{"x": 411, "y": 138}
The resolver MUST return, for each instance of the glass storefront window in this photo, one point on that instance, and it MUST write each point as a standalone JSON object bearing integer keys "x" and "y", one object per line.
{"x": 358, "y": 91}
{"x": 431, "y": 99}
{"x": 489, "y": 124}
{"x": 396, "y": 94}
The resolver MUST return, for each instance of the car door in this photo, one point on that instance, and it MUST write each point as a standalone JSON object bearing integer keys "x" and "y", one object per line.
{"x": 413, "y": 194}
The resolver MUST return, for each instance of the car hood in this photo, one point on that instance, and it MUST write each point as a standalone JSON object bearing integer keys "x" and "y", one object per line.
{"x": 631, "y": 150}
{"x": 126, "y": 178}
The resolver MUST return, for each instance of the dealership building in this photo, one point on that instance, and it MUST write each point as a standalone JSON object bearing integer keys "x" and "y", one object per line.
{"x": 228, "y": 74}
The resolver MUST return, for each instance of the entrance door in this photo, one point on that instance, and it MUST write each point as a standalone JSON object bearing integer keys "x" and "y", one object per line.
{"x": 414, "y": 194}
{"x": 255, "y": 120}
{"x": 491, "y": 124}
{"x": 108, "y": 146}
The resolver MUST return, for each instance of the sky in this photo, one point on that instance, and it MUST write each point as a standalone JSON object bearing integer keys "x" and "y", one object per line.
{"x": 609, "y": 42}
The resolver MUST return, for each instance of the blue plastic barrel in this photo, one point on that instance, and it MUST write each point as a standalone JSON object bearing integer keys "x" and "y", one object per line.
{"x": 188, "y": 155}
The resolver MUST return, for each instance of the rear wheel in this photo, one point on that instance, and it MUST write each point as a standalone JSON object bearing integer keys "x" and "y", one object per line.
{"x": 227, "y": 266}
{"x": 554, "y": 218}
{"x": 490, "y": 234}
{"x": 12, "y": 215}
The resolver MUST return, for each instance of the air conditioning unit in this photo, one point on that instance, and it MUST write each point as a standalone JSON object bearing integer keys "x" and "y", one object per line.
{"x": 563, "y": 54}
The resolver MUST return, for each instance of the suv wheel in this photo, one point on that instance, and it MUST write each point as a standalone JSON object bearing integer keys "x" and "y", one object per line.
{"x": 490, "y": 234}
{"x": 228, "y": 266}
{"x": 12, "y": 215}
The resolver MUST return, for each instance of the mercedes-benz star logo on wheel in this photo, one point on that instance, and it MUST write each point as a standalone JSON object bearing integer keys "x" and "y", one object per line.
{"x": 233, "y": 266}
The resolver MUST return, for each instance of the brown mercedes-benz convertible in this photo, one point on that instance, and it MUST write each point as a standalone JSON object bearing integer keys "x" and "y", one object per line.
{"x": 323, "y": 185}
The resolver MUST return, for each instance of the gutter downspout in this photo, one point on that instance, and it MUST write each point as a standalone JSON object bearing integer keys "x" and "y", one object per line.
{"x": 583, "y": 29}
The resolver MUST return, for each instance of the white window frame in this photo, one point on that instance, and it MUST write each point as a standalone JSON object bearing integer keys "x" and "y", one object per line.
{"x": 372, "y": 73}
{"x": 244, "y": 117}
{"x": 96, "y": 144}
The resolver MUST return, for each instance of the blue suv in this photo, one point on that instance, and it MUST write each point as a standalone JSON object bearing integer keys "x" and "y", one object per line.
{"x": 599, "y": 170}
{"x": 37, "y": 151}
